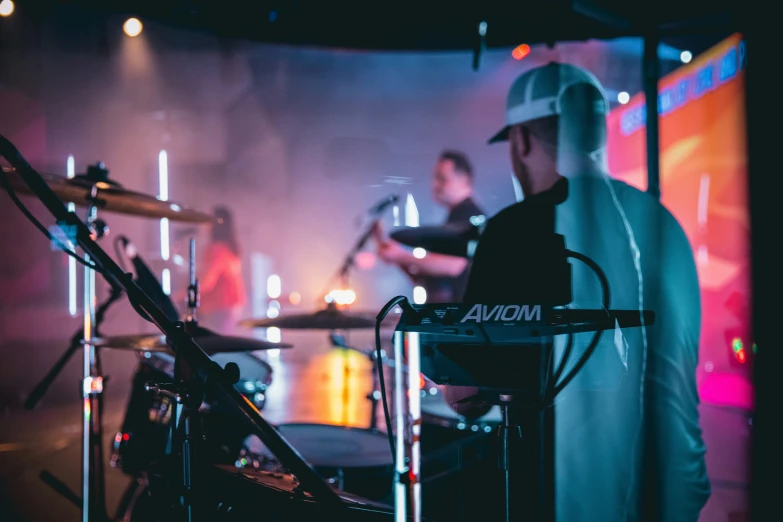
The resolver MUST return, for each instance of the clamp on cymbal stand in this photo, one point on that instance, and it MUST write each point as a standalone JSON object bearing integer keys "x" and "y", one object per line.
{"x": 193, "y": 293}
{"x": 186, "y": 394}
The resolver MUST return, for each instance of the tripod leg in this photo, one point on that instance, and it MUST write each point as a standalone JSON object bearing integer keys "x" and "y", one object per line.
{"x": 60, "y": 487}
{"x": 40, "y": 390}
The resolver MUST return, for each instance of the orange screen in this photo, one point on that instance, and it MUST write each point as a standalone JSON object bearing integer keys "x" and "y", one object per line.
{"x": 703, "y": 180}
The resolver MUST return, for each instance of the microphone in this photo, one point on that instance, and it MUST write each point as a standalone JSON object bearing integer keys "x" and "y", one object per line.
{"x": 148, "y": 282}
{"x": 383, "y": 204}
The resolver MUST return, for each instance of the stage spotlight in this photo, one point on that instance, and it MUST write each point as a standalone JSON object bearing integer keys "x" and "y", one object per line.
{"x": 520, "y": 51}
{"x": 623, "y": 97}
{"x": 686, "y": 57}
{"x": 6, "y": 8}
{"x": 132, "y": 27}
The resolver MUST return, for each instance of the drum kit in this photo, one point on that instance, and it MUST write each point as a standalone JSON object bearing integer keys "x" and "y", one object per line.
{"x": 351, "y": 460}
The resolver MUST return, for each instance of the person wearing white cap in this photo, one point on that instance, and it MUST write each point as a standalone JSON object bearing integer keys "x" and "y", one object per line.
{"x": 628, "y": 445}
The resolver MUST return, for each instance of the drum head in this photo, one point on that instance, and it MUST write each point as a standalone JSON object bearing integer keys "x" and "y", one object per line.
{"x": 327, "y": 446}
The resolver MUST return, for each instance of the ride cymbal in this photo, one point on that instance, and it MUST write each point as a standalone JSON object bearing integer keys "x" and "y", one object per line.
{"x": 208, "y": 340}
{"x": 328, "y": 319}
{"x": 94, "y": 188}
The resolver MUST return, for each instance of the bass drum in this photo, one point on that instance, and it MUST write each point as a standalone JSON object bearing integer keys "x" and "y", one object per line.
{"x": 144, "y": 433}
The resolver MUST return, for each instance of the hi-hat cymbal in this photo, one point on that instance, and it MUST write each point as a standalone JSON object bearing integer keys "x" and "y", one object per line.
{"x": 208, "y": 340}
{"x": 328, "y": 319}
{"x": 95, "y": 188}
{"x": 451, "y": 239}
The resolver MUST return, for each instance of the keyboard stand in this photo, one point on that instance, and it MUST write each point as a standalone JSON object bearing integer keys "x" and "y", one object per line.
{"x": 506, "y": 352}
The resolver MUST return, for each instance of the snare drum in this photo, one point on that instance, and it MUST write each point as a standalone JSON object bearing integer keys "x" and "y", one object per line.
{"x": 145, "y": 429}
{"x": 354, "y": 460}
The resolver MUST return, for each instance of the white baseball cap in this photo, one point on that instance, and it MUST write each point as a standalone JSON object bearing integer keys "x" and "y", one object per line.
{"x": 537, "y": 93}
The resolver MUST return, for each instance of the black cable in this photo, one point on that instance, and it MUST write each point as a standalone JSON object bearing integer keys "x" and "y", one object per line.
{"x": 564, "y": 359}
{"x": 388, "y": 307}
{"x": 597, "y": 336}
{"x": 12, "y": 194}
{"x": 598, "y": 271}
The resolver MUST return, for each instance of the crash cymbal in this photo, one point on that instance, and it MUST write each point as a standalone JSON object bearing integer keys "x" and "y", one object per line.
{"x": 95, "y": 188}
{"x": 328, "y": 319}
{"x": 451, "y": 239}
{"x": 208, "y": 340}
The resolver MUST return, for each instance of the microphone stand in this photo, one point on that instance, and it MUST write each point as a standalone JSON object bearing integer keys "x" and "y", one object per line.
{"x": 194, "y": 366}
{"x": 358, "y": 246}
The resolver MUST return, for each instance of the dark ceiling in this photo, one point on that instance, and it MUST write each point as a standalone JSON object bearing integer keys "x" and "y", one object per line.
{"x": 425, "y": 24}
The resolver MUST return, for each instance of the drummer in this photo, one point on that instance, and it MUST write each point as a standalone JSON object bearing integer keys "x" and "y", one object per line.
{"x": 443, "y": 277}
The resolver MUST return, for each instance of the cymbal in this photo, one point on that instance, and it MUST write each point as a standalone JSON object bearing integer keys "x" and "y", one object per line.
{"x": 208, "y": 340}
{"x": 109, "y": 196}
{"x": 450, "y": 239}
{"x": 328, "y": 319}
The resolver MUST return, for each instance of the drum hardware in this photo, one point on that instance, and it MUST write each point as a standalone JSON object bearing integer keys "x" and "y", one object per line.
{"x": 95, "y": 189}
{"x": 329, "y": 318}
{"x": 193, "y": 294}
{"x": 249, "y": 494}
{"x": 187, "y": 396}
{"x": 143, "y": 440}
{"x": 192, "y": 366}
{"x": 355, "y": 460}
{"x": 76, "y": 342}
{"x": 208, "y": 340}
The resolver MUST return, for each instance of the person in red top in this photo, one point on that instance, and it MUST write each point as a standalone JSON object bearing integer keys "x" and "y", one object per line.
{"x": 222, "y": 286}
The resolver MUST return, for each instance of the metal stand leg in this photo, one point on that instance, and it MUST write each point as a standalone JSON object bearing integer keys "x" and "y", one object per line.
{"x": 414, "y": 417}
{"x": 400, "y": 468}
{"x": 527, "y": 447}
{"x": 93, "y": 487}
{"x": 407, "y": 483}
{"x": 504, "y": 461}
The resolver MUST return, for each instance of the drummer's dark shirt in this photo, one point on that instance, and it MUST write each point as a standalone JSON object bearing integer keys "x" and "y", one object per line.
{"x": 634, "y": 452}
{"x": 450, "y": 289}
